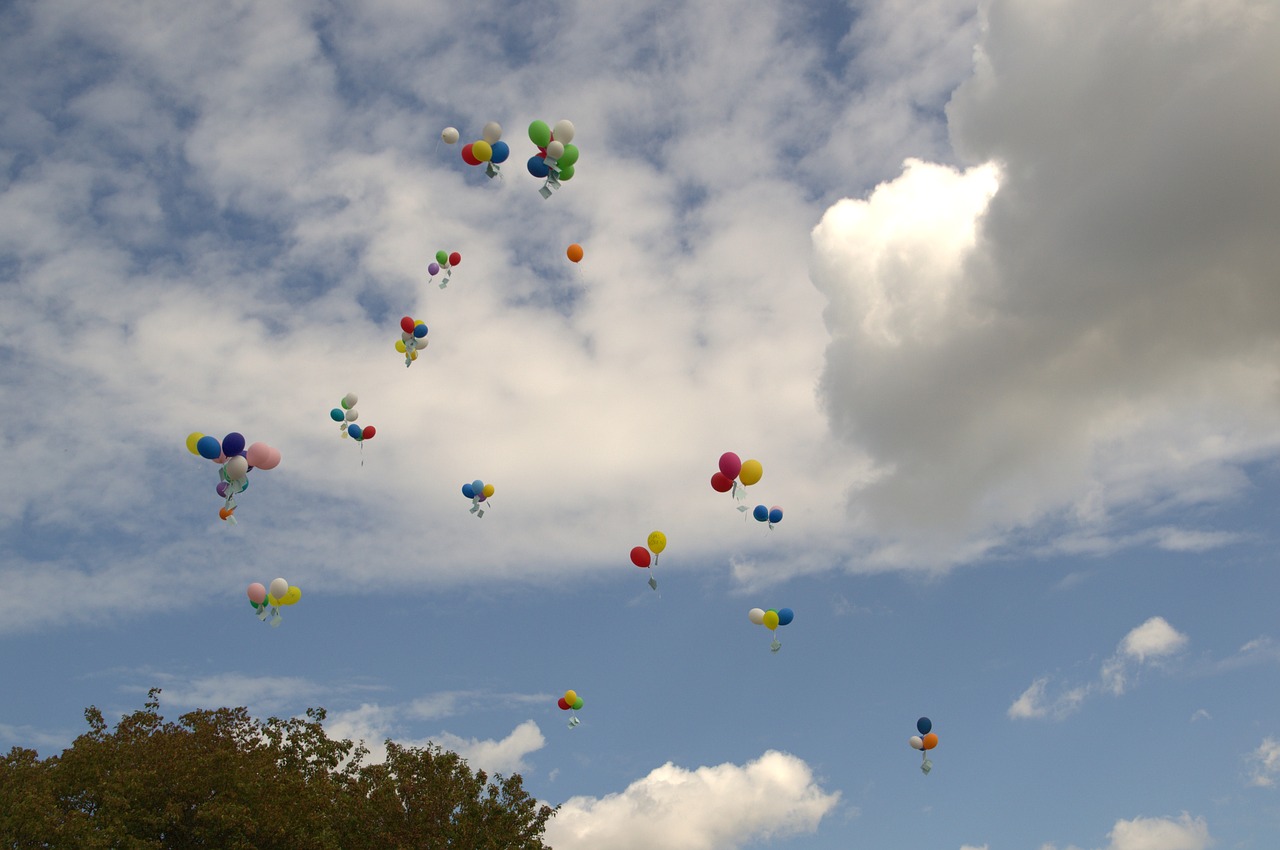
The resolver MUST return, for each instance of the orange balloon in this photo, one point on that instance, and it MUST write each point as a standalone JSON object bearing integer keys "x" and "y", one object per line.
{"x": 931, "y": 740}
{"x": 226, "y": 512}
{"x": 575, "y": 252}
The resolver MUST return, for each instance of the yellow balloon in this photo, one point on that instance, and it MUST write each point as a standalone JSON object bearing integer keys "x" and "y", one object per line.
{"x": 192, "y": 439}
{"x": 290, "y": 598}
{"x": 571, "y": 697}
{"x": 273, "y": 602}
{"x": 400, "y": 346}
{"x": 657, "y": 542}
{"x": 488, "y": 490}
{"x": 771, "y": 620}
{"x": 481, "y": 150}
{"x": 413, "y": 355}
{"x": 751, "y": 472}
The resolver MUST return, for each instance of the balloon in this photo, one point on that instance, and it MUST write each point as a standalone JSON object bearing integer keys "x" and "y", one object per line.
{"x": 442, "y": 257}
{"x": 555, "y": 149}
{"x": 259, "y": 452}
{"x": 449, "y": 135}
{"x": 771, "y": 620}
{"x": 730, "y": 465}
{"x": 569, "y": 157}
{"x": 349, "y": 401}
{"x": 640, "y": 556}
{"x": 761, "y": 513}
{"x": 491, "y": 132}
{"x": 257, "y": 593}
{"x": 720, "y": 483}
{"x": 406, "y": 324}
{"x": 564, "y": 706}
{"x": 367, "y": 432}
{"x": 226, "y": 512}
{"x": 577, "y": 704}
{"x": 785, "y": 616}
{"x": 208, "y": 448}
{"x": 538, "y": 167}
{"x": 481, "y": 150}
{"x": 352, "y": 415}
{"x": 923, "y": 725}
{"x": 291, "y": 596}
{"x": 571, "y": 696}
{"x": 222, "y": 489}
{"x": 478, "y": 486}
{"x": 756, "y": 615}
{"x": 354, "y": 430}
{"x": 193, "y": 439}
{"x": 916, "y": 742}
{"x": 420, "y": 330}
{"x": 400, "y": 346}
{"x": 574, "y": 253}
{"x": 237, "y": 468}
{"x": 563, "y": 131}
{"x": 233, "y": 444}
{"x": 278, "y": 587}
{"x": 539, "y": 133}
{"x": 501, "y": 150}
{"x": 467, "y": 156}
{"x": 488, "y": 490}
{"x": 271, "y": 462}
{"x": 775, "y": 515}
{"x": 336, "y": 415}
{"x": 455, "y": 258}
{"x": 433, "y": 269}
{"x": 931, "y": 740}
{"x": 468, "y": 491}
{"x": 751, "y": 472}
{"x": 657, "y": 542}
{"x": 566, "y": 173}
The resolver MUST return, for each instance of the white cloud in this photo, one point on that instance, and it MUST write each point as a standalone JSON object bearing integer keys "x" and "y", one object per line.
{"x": 709, "y": 808}
{"x": 1265, "y": 763}
{"x": 973, "y": 847}
{"x": 1153, "y": 639}
{"x": 505, "y": 756}
{"x": 1182, "y": 833}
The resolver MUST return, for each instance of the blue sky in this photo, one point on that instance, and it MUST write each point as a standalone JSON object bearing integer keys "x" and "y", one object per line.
{"x": 987, "y": 287}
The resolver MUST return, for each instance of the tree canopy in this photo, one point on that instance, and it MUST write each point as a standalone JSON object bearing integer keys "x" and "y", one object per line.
{"x": 221, "y": 779}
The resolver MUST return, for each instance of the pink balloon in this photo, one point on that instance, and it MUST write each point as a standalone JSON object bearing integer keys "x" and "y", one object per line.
{"x": 220, "y": 459}
{"x": 258, "y": 454}
{"x": 730, "y": 465}
{"x": 257, "y": 593}
{"x": 272, "y": 460}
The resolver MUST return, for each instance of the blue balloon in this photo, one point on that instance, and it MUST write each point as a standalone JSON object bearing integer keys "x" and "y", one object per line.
{"x": 761, "y": 513}
{"x": 468, "y": 491}
{"x": 478, "y": 487}
{"x": 923, "y": 725}
{"x": 501, "y": 150}
{"x": 233, "y": 444}
{"x": 337, "y": 415}
{"x": 419, "y": 331}
{"x": 785, "y": 615}
{"x": 775, "y": 515}
{"x": 538, "y": 167}
{"x": 209, "y": 448}
{"x": 354, "y": 430}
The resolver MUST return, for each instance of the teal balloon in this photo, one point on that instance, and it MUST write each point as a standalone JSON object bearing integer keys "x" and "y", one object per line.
{"x": 336, "y": 414}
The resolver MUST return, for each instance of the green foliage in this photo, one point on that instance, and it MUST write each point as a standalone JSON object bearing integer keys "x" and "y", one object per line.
{"x": 221, "y": 779}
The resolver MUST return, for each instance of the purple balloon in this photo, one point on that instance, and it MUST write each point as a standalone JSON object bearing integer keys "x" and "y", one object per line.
{"x": 233, "y": 444}
{"x": 433, "y": 269}
{"x": 222, "y": 489}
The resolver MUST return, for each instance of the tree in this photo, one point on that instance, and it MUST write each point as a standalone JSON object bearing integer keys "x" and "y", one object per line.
{"x": 221, "y": 779}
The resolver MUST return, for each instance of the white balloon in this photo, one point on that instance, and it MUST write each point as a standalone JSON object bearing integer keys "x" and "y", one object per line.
{"x": 279, "y": 587}
{"x": 349, "y": 400}
{"x": 492, "y": 132}
{"x": 352, "y": 415}
{"x": 555, "y": 149}
{"x": 916, "y": 742}
{"x": 756, "y": 615}
{"x": 563, "y": 131}
{"x": 237, "y": 468}
{"x": 449, "y": 135}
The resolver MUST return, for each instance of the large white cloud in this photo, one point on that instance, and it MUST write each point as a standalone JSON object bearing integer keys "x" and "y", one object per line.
{"x": 1181, "y": 833}
{"x": 709, "y": 808}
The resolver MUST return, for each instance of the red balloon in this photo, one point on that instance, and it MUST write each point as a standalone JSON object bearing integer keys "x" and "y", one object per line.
{"x": 640, "y": 557}
{"x": 467, "y": 156}
{"x": 730, "y": 465}
{"x": 406, "y": 324}
{"x": 721, "y": 484}
{"x": 368, "y": 432}
{"x": 455, "y": 258}
{"x": 564, "y": 706}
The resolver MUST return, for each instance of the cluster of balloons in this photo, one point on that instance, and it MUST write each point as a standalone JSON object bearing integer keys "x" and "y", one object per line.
{"x": 478, "y": 492}
{"x": 488, "y": 149}
{"x": 444, "y": 261}
{"x": 771, "y": 619}
{"x": 346, "y": 416}
{"x": 413, "y": 335}
{"x": 772, "y": 515}
{"x": 556, "y": 157}
{"x": 574, "y": 253}
{"x": 736, "y": 473}
{"x": 235, "y": 460}
{"x": 571, "y": 702}
{"x": 269, "y": 601}
{"x": 640, "y": 556}
{"x": 925, "y": 741}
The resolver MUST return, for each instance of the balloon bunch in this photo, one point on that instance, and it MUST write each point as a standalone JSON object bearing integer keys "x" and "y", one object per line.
{"x": 735, "y": 474}
{"x": 771, "y": 619}
{"x": 556, "y": 157}
{"x": 487, "y": 149}
{"x": 235, "y": 462}
{"x": 772, "y": 515}
{"x": 345, "y": 414}
{"x": 640, "y": 555}
{"x": 478, "y": 492}
{"x": 269, "y": 601}
{"x": 571, "y": 702}
{"x": 925, "y": 741}
{"x": 413, "y": 335}
{"x": 446, "y": 262}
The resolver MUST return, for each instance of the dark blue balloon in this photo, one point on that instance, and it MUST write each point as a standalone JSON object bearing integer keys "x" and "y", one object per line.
{"x": 209, "y": 448}
{"x": 538, "y": 167}
{"x": 761, "y": 513}
{"x": 233, "y": 444}
{"x": 468, "y": 491}
{"x": 354, "y": 430}
{"x": 923, "y": 725}
{"x": 775, "y": 515}
{"x": 785, "y": 615}
{"x": 501, "y": 150}
{"x": 419, "y": 331}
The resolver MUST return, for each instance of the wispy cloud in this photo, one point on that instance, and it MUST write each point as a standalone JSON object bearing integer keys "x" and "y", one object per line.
{"x": 1264, "y": 763}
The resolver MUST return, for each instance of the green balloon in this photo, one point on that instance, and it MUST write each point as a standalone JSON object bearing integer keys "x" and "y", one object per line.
{"x": 442, "y": 258}
{"x": 566, "y": 172}
{"x": 577, "y": 703}
{"x": 569, "y": 157}
{"x": 540, "y": 133}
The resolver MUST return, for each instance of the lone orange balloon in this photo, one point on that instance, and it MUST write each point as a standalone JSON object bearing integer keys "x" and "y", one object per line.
{"x": 574, "y": 253}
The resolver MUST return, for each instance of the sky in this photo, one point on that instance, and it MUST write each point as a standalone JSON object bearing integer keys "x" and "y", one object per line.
{"x": 989, "y": 289}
